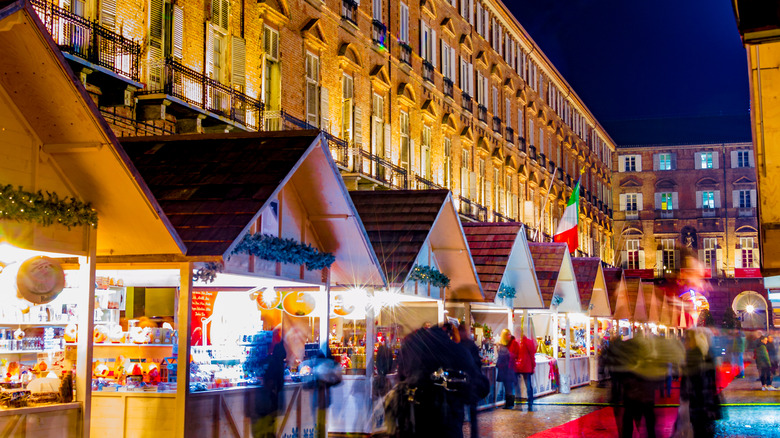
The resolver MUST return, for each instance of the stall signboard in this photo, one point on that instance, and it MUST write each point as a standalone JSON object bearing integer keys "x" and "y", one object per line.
{"x": 202, "y": 309}
{"x": 747, "y": 272}
{"x": 647, "y": 274}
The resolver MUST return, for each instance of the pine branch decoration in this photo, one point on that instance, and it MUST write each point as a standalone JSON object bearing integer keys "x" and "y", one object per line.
{"x": 45, "y": 209}
{"x": 429, "y": 275}
{"x": 276, "y": 249}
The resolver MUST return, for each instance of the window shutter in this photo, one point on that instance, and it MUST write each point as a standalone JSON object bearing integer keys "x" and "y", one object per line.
{"x": 717, "y": 198}
{"x": 412, "y": 154}
{"x": 346, "y": 120}
{"x": 697, "y": 160}
{"x": 358, "y": 127}
{"x": 638, "y": 163}
{"x": 657, "y": 201}
{"x": 676, "y": 259}
{"x": 621, "y": 164}
{"x": 271, "y": 43}
{"x": 698, "y": 199}
{"x": 464, "y": 181}
{"x": 639, "y": 203}
{"x": 719, "y": 261}
{"x": 433, "y": 47}
{"x": 423, "y": 34}
{"x": 473, "y": 186}
{"x": 674, "y": 161}
{"x": 622, "y": 202}
{"x": 324, "y": 110}
{"x": 239, "y": 62}
{"x": 209, "y": 51}
{"x": 624, "y": 259}
{"x": 659, "y": 260}
{"x": 471, "y": 81}
{"x": 178, "y": 33}
{"x": 108, "y": 13}
{"x": 642, "y": 259}
{"x": 738, "y": 257}
{"x": 452, "y": 64}
{"x": 715, "y": 163}
{"x": 752, "y": 160}
{"x": 733, "y": 159}
{"x": 735, "y": 198}
{"x": 471, "y": 12}
{"x": 388, "y": 149}
{"x": 753, "y": 198}
{"x": 675, "y": 204}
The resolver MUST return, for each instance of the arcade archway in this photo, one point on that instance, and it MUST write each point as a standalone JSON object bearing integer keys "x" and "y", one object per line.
{"x": 751, "y": 309}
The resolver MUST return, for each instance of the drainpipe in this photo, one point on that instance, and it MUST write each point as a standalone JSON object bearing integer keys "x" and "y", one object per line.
{"x": 726, "y": 211}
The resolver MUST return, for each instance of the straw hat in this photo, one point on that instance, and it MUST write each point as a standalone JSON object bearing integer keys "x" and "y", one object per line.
{"x": 40, "y": 279}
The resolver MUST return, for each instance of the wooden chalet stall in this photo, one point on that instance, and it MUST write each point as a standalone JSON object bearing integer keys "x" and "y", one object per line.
{"x": 419, "y": 241}
{"x": 636, "y": 303}
{"x": 506, "y": 272}
{"x": 54, "y": 142}
{"x": 555, "y": 273}
{"x": 593, "y": 291}
{"x": 269, "y": 227}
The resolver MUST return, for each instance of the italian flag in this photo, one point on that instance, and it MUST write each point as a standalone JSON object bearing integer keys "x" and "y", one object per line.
{"x": 567, "y": 227}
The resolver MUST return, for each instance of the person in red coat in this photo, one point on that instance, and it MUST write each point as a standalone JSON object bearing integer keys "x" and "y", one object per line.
{"x": 507, "y": 356}
{"x": 525, "y": 365}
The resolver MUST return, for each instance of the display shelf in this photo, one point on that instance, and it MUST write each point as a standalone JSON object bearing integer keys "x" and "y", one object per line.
{"x": 28, "y": 351}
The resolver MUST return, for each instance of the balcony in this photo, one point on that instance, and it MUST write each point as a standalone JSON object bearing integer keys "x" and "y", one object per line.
{"x": 497, "y": 124}
{"x": 542, "y": 161}
{"x": 482, "y": 113}
{"x": 498, "y": 217}
{"x": 427, "y": 71}
{"x": 521, "y": 146}
{"x": 448, "y": 87}
{"x": 568, "y": 180}
{"x": 560, "y": 174}
{"x": 282, "y": 121}
{"x": 709, "y": 212}
{"x": 379, "y": 33}
{"x": 381, "y": 170}
{"x": 198, "y": 90}
{"x": 420, "y": 183}
{"x": 532, "y": 152}
{"x": 467, "y": 103}
{"x": 746, "y": 212}
{"x": 90, "y": 41}
{"x": 666, "y": 214}
{"x": 406, "y": 54}
{"x": 551, "y": 166}
{"x": 632, "y": 214}
{"x": 349, "y": 11}
{"x": 509, "y": 135}
{"x": 472, "y": 210}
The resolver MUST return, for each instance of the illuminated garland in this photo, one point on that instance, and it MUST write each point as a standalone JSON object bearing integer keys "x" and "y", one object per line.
{"x": 276, "y": 249}
{"x": 429, "y": 275}
{"x": 44, "y": 209}
{"x": 505, "y": 291}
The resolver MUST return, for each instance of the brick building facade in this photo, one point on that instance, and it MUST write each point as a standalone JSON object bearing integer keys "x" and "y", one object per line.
{"x": 411, "y": 95}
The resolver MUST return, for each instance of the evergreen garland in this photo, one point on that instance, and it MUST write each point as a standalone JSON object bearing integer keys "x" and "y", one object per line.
{"x": 208, "y": 272}
{"x": 429, "y": 275}
{"x": 506, "y": 291}
{"x": 557, "y": 300}
{"x": 44, "y": 209}
{"x": 276, "y": 249}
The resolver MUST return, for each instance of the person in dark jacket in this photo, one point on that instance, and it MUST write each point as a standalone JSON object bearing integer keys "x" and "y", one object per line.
{"x": 267, "y": 396}
{"x": 698, "y": 384}
{"x": 505, "y": 365}
{"x": 472, "y": 351}
{"x": 764, "y": 364}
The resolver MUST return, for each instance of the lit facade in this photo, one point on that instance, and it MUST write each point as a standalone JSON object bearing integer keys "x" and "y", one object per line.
{"x": 410, "y": 95}
{"x": 699, "y": 196}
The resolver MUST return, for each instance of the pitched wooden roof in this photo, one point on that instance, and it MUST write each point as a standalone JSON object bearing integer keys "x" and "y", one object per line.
{"x": 548, "y": 258}
{"x": 491, "y": 245}
{"x": 397, "y": 223}
{"x": 585, "y": 270}
{"x": 632, "y": 289}
{"x": 613, "y": 277}
{"x": 211, "y": 186}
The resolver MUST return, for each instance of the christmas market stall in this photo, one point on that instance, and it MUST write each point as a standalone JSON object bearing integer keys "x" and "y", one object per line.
{"x": 68, "y": 196}
{"x": 636, "y": 303}
{"x": 269, "y": 228}
{"x": 618, "y": 301}
{"x": 506, "y": 272}
{"x": 419, "y": 241}
{"x": 562, "y": 310}
{"x": 593, "y": 293}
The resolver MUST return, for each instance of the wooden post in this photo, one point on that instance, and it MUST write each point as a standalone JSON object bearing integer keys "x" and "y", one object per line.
{"x": 556, "y": 334}
{"x": 86, "y": 327}
{"x": 440, "y": 310}
{"x": 568, "y": 350}
{"x": 184, "y": 312}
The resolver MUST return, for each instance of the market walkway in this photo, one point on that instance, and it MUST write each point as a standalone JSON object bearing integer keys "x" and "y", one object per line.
{"x": 748, "y": 412}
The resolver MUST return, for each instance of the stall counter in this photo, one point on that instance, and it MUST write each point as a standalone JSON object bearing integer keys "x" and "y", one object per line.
{"x": 350, "y": 405}
{"x": 578, "y": 370}
{"x": 61, "y": 420}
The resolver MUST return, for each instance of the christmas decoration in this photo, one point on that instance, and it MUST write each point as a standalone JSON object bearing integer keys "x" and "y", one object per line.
{"x": 44, "y": 209}
{"x": 557, "y": 300}
{"x": 207, "y": 273}
{"x": 276, "y": 249}
{"x": 505, "y": 291}
{"x": 429, "y": 275}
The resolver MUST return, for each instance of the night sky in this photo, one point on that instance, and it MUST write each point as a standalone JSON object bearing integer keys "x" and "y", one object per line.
{"x": 652, "y": 72}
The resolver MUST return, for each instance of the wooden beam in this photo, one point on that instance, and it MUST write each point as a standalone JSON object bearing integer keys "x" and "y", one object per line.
{"x": 69, "y": 148}
{"x": 183, "y": 316}
{"x": 330, "y": 217}
{"x": 86, "y": 325}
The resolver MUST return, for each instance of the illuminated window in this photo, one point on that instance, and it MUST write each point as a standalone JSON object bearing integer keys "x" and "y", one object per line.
{"x": 746, "y": 249}
{"x": 709, "y": 251}
{"x": 667, "y": 248}
{"x": 632, "y": 253}
{"x": 706, "y": 160}
{"x": 664, "y": 161}
{"x": 708, "y": 199}
{"x": 667, "y": 202}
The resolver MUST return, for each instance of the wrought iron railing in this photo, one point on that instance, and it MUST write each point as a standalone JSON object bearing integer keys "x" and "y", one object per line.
{"x": 498, "y": 217}
{"x": 472, "y": 210}
{"x": 381, "y": 170}
{"x": 496, "y": 124}
{"x": 89, "y": 40}
{"x": 509, "y": 135}
{"x": 482, "y": 113}
{"x": 551, "y": 166}
{"x": 542, "y": 161}
{"x": 521, "y": 144}
{"x": 379, "y": 33}
{"x": 349, "y": 11}
{"x": 406, "y": 53}
{"x": 127, "y": 126}
{"x": 561, "y": 174}
{"x": 283, "y": 121}
{"x": 448, "y": 85}
{"x": 746, "y": 212}
{"x": 420, "y": 183}
{"x": 532, "y": 152}
{"x": 467, "y": 103}
{"x": 427, "y": 71}
{"x": 203, "y": 92}
{"x": 666, "y": 214}
{"x": 568, "y": 180}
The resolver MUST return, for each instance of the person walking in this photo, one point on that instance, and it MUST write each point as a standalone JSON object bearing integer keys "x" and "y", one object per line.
{"x": 472, "y": 351}
{"x": 698, "y": 386}
{"x": 764, "y": 364}
{"x": 505, "y": 365}
{"x": 525, "y": 366}
{"x": 738, "y": 353}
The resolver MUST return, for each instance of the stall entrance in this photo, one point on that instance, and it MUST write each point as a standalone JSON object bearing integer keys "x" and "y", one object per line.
{"x": 751, "y": 309}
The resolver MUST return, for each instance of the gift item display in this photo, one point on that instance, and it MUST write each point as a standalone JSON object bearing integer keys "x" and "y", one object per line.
{"x": 348, "y": 344}
{"x": 241, "y": 362}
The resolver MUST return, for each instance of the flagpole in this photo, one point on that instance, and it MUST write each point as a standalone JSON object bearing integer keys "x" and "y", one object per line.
{"x": 577, "y": 186}
{"x": 544, "y": 207}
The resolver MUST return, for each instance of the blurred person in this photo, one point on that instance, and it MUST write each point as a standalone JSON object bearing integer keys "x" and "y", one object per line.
{"x": 432, "y": 410}
{"x": 505, "y": 364}
{"x": 616, "y": 363}
{"x": 267, "y": 395}
{"x": 640, "y": 380}
{"x": 738, "y": 353}
{"x": 384, "y": 364}
{"x": 764, "y": 364}
{"x": 771, "y": 349}
{"x": 472, "y": 352}
{"x": 525, "y": 364}
{"x": 670, "y": 355}
{"x": 698, "y": 386}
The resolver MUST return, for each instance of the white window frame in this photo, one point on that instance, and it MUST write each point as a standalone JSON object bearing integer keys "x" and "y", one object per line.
{"x": 665, "y": 161}
{"x": 312, "y": 86}
{"x": 668, "y": 255}
{"x": 708, "y": 199}
{"x": 404, "y": 23}
{"x": 706, "y": 160}
{"x": 632, "y": 253}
